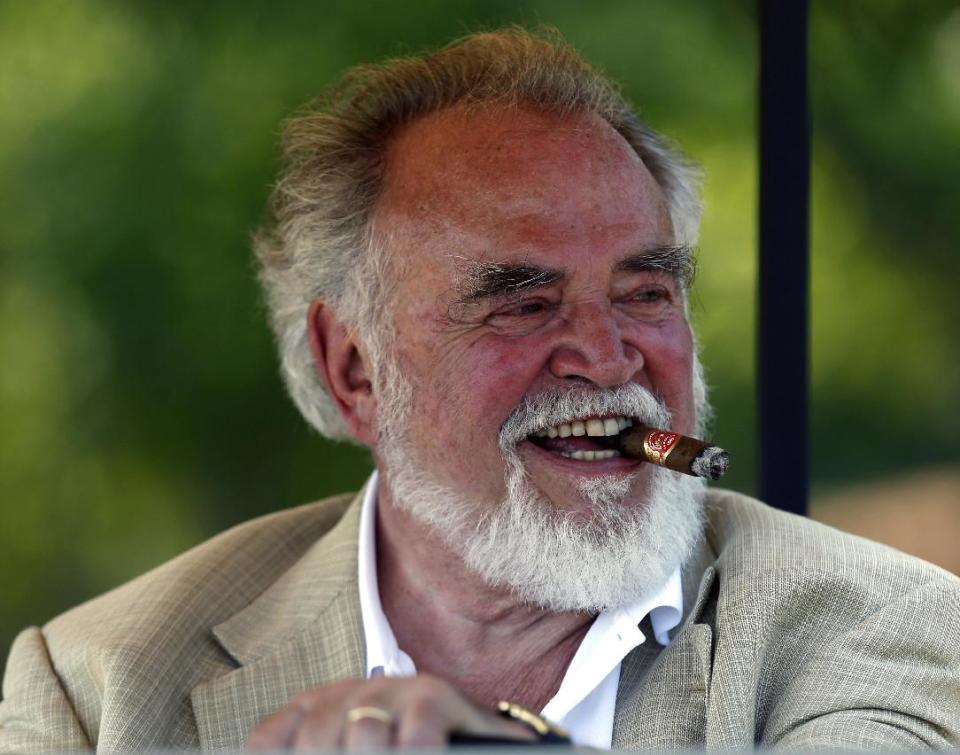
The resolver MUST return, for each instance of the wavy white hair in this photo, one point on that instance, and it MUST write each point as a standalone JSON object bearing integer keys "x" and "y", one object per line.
{"x": 318, "y": 243}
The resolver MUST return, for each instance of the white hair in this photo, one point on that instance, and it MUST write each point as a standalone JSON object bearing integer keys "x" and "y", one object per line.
{"x": 318, "y": 241}
{"x": 623, "y": 553}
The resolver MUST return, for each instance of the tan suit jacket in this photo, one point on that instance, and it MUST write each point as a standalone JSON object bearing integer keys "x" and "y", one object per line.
{"x": 795, "y": 635}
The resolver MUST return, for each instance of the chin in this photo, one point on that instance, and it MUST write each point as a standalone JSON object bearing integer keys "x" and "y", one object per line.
{"x": 622, "y": 550}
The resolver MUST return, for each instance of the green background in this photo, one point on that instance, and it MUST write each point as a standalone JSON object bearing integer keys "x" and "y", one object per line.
{"x": 140, "y": 407}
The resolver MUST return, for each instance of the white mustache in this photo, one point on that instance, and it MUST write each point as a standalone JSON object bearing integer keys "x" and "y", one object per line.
{"x": 555, "y": 407}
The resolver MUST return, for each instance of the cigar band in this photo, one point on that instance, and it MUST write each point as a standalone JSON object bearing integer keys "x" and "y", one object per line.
{"x": 658, "y": 444}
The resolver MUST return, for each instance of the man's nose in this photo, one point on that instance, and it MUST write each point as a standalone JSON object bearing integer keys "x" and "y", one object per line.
{"x": 592, "y": 348}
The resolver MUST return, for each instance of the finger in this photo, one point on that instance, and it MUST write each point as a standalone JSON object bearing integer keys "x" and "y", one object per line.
{"x": 432, "y": 710}
{"x": 424, "y": 724}
{"x": 276, "y": 731}
{"x": 372, "y": 731}
{"x": 319, "y": 726}
{"x": 367, "y": 716}
{"x": 317, "y": 731}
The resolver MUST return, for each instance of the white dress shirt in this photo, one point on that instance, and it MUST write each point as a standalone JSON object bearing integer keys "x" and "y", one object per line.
{"x": 584, "y": 703}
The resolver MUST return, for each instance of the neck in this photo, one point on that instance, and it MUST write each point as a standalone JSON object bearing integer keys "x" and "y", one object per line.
{"x": 454, "y": 626}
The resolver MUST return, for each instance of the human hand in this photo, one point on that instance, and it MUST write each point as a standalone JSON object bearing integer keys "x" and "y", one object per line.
{"x": 359, "y": 714}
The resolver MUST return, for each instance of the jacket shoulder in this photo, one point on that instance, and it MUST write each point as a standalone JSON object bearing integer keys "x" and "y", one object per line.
{"x": 823, "y": 638}
{"x": 151, "y": 638}
{"x": 755, "y": 541}
{"x": 218, "y": 576}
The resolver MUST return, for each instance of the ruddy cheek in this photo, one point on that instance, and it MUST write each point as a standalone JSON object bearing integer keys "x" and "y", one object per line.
{"x": 520, "y": 363}
{"x": 671, "y": 344}
{"x": 500, "y": 380}
{"x": 668, "y": 363}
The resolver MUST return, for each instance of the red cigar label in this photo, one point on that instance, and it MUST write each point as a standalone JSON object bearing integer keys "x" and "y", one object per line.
{"x": 658, "y": 444}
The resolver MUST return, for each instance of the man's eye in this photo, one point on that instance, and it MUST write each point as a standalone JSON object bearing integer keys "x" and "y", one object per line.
{"x": 521, "y": 317}
{"x": 529, "y": 308}
{"x": 651, "y": 296}
{"x": 523, "y": 308}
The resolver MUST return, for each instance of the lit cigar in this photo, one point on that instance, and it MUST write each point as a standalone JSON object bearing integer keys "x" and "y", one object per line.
{"x": 674, "y": 451}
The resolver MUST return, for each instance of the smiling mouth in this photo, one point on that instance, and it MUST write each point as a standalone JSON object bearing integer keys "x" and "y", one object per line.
{"x": 587, "y": 439}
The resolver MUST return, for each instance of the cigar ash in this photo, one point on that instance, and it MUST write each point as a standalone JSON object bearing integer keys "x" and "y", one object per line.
{"x": 711, "y": 463}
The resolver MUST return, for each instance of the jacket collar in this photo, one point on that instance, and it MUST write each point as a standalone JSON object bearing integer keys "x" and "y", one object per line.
{"x": 303, "y": 631}
{"x": 662, "y": 697}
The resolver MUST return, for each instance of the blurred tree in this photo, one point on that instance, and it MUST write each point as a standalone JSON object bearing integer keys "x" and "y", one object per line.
{"x": 139, "y": 394}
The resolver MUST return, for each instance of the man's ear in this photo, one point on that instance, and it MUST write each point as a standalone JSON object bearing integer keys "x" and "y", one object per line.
{"x": 343, "y": 368}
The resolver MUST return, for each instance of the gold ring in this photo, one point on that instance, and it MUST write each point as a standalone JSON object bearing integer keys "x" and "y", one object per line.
{"x": 368, "y": 711}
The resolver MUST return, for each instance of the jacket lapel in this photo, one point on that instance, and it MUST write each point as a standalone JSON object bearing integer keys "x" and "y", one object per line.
{"x": 662, "y": 698}
{"x": 304, "y": 631}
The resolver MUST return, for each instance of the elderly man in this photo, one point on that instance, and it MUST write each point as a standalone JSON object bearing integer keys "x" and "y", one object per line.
{"x": 478, "y": 267}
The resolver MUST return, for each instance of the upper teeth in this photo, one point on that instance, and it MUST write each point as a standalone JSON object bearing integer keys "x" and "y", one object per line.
{"x": 592, "y": 427}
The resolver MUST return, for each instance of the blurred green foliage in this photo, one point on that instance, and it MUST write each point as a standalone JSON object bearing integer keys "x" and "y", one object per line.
{"x": 141, "y": 408}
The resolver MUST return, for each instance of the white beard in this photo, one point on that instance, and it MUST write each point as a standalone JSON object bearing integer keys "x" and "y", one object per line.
{"x": 622, "y": 554}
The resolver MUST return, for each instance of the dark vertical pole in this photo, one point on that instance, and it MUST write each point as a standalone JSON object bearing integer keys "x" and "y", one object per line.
{"x": 784, "y": 255}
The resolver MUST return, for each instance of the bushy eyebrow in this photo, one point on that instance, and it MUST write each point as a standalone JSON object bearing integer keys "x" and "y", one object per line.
{"x": 677, "y": 261}
{"x": 486, "y": 280}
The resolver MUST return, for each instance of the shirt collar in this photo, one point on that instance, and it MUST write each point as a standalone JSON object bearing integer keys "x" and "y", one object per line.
{"x": 611, "y": 637}
{"x": 384, "y": 656}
